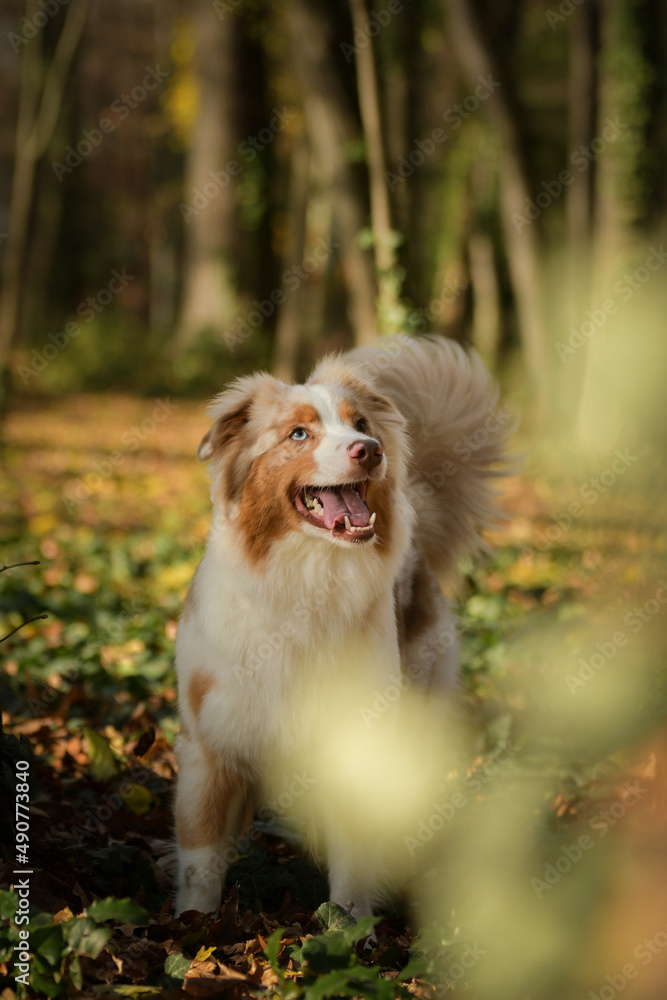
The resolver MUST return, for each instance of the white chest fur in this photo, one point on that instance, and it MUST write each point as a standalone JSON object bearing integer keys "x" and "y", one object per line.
{"x": 270, "y": 647}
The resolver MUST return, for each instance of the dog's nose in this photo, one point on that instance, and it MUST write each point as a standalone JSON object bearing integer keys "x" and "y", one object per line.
{"x": 368, "y": 452}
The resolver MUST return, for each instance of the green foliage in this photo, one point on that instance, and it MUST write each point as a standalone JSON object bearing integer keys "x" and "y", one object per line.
{"x": 328, "y": 965}
{"x": 124, "y": 911}
{"x": 335, "y": 964}
{"x": 177, "y": 965}
{"x": 56, "y": 948}
{"x": 93, "y": 680}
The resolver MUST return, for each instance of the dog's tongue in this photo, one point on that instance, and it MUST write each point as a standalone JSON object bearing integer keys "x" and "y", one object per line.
{"x": 339, "y": 503}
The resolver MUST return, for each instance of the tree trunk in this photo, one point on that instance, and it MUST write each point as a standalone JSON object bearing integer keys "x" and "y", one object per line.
{"x": 391, "y": 313}
{"x": 209, "y": 301}
{"x": 370, "y": 117}
{"x": 486, "y": 298}
{"x": 289, "y": 324}
{"x": 575, "y": 268}
{"x": 476, "y": 59}
{"x": 39, "y": 107}
{"x": 330, "y": 127}
{"x": 624, "y": 77}
{"x": 582, "y": 105}
{"x": 624, "y": 81}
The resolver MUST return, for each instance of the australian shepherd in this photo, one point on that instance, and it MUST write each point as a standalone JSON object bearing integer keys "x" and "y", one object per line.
{"x": 364, "y": 486}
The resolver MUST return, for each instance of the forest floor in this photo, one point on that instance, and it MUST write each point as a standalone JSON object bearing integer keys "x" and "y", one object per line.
{"x": 106, "y": 492}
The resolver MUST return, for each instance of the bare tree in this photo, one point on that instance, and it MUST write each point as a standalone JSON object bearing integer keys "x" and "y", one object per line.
{"x": 582, "y": 105}
{"x": 288, "y": 326}
{"x": 391, "y": 315}
{"x": 209, "y": 299}
{"x": 477, "y": 60}
{"x": 330, "y": 126}
{"x": 40, "y": 100}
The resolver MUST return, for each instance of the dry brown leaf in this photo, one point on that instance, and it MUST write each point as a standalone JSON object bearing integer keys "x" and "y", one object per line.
{"x": 230, "y": 972}
{"x": 201, "y": 970}
{"x": 268, "y": 977}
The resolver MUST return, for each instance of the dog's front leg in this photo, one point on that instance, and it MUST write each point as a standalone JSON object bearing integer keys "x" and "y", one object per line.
{"x": 211, "y": 799}
{"x": 352, "y": 882}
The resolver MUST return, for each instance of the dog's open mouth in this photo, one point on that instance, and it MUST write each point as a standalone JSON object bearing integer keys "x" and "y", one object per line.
{"x": 342, "y": 510}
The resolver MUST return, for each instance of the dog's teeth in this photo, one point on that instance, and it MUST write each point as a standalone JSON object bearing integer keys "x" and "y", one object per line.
{"x": 371, "y": 519}
{"x": 347, "y": 523}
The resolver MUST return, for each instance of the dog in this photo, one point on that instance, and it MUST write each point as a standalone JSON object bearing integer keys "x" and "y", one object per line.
{"x": 368, "y": 482}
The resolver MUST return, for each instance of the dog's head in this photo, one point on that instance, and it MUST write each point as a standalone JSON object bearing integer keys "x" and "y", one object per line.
{"x": 322, "y": 458}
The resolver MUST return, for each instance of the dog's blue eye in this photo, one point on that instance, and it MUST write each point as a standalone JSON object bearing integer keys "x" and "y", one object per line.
{"x": 361, "y": 425}
{"x": 299, "y": 434}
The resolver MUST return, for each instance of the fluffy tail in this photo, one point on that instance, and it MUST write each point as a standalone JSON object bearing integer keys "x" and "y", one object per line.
{"x": 458, "y": 437}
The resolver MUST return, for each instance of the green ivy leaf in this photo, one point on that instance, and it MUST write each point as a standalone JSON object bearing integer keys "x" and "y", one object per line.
{"x": 177, "y": 965}
{"x": 75, "y": 973}
{"x": 360, "y": 930}
{"x": 124, "y": 911}
{"x": 327, "y": 951}
{"x": 85, "y": 937}
{"x": 362, "y": 981}
{"x": 48, "y": 943}
{"x": 9, "y": 904}
{"x": 415, "y": 967}
{"x": 44, "y": 983}
{"x": 272, "y": 950}
{"x": 334, "y": 917}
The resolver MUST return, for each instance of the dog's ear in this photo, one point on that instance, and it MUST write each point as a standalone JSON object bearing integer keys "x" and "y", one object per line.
{"x": 231, "y": 412}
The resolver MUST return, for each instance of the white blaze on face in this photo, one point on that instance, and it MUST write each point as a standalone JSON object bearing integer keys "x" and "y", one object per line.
{"x": 330, "y": 455}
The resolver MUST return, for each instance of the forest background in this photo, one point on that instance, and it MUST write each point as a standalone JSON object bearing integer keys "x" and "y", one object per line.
{"x": 193, "y": 191}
